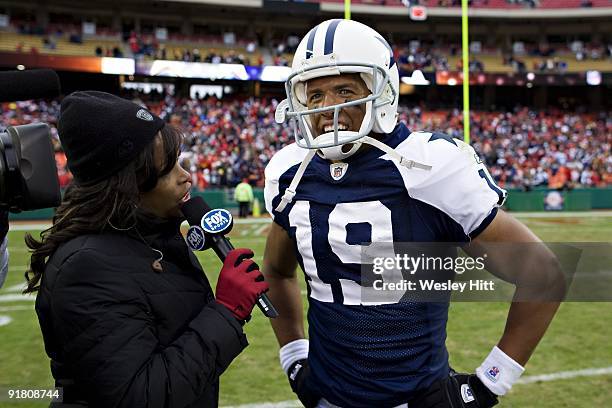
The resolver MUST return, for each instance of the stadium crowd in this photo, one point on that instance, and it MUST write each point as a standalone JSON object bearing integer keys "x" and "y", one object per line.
{"x": 228, "y": 140}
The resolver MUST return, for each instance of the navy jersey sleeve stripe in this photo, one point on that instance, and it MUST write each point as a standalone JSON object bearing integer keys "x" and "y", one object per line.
{"x": 484, "y": 224}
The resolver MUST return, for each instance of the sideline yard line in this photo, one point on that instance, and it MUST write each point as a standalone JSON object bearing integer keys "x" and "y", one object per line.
{"x": 569, "y": 214}
{"x": 4, "y": 320}
{"x": 518, "y": 214}
{"x": 21, "y": 249}
{"x": 27, "y": 227}
{"x": 17, "y": 298}
{"x": 561, "y": 375}
{"x": 23, "y": 226}
{"x": 262, "y": 220}
{"x": 15, "y": 308}
{"x": 260, "y": 230}
{"x": 21, "y": 268}
{"x": 15, "y": 288}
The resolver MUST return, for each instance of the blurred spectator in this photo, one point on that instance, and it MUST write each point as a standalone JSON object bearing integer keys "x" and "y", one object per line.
{"x": 75, "y": 38}
{"x": 526, "y": 3}
{"x": 417, "y": 56}
{"x": 555, "y": 65}
{"x": 476, "y": 65}
{"x": 49, "y": 43}
{"x": 517, "y": 65}
{"x": 243, "y": 195}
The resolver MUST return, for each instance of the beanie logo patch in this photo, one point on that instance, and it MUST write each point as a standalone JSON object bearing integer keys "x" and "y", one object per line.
{"x": 144, "y": 115}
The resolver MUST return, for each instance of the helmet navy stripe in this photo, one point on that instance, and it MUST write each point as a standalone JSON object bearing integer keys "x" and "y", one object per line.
{"x": 310, "y": 43}
{"x": 329, "y": 36}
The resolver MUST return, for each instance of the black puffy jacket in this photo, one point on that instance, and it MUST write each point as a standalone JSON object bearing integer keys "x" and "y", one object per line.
{"x": 120, "y": 334}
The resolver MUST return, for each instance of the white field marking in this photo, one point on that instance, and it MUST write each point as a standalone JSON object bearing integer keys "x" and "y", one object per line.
{"x": 260, "y": 230}
{"x": 267, "y": 220}
{"x": 18, "y": 267}
{"x": 262, "y": 220}
{"x": 15, "y": 288}
{"x": 21, "y": 249}
{"x": 45, "y": 225}
{"x": 246, "y": 239}
{"x": 15, "y": 308}
{"x": 569, "y": 214}
{"x": 245, "y": 221}
{"x": 561, "y": 375}
{"x": 250, "y": 230}
{"x": 17, "y": 298}
{"x": 29, "y": 227}
{"x": 4, "y": 320}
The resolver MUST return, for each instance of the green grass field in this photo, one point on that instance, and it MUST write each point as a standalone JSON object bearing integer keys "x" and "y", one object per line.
{"x": 579, "y": 338}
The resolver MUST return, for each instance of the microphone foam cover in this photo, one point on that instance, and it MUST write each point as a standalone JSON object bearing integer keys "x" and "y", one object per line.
{"x": 194, "y": 209}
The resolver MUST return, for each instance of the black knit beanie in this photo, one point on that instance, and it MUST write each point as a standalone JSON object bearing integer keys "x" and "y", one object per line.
{"x": 102, "y": 133}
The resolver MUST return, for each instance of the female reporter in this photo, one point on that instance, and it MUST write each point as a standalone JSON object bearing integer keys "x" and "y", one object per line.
{"x": 127, "y": 315}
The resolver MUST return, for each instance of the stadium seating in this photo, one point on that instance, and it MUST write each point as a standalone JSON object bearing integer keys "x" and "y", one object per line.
{"x": 33, "y": 43}
{"x": 212, "y": 48}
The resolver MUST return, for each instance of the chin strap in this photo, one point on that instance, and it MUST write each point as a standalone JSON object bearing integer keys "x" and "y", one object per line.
{"x": 395, "y": 155}
{"x": 290, "y": 191}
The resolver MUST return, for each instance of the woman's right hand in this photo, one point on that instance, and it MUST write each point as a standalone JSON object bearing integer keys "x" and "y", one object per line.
{"x": 240, "y": 283}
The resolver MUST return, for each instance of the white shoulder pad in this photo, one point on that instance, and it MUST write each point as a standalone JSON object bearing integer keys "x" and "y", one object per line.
{"x": 282, "y": 161}
{"x": 458, "y": 183}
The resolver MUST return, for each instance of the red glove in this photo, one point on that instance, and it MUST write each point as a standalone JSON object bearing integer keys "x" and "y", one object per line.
{"x": 240, "y": 283}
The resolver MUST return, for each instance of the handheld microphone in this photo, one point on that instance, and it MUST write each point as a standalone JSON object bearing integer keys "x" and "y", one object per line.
{"x": 25, "y": 85}
{"x": 208, "y": 229}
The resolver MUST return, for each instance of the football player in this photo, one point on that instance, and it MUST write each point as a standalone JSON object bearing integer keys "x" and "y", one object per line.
{"x": 355, "y": 175}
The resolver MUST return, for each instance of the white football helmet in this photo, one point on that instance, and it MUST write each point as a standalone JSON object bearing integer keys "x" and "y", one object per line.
{"x": 335, "y": 47}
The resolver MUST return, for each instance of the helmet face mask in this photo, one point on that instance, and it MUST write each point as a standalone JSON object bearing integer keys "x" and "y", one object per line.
{"x": 300, "y": 115}
{"x": 359, "y": 50}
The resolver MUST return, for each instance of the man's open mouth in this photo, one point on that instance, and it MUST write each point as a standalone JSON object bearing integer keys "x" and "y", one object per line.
{"x": 330, "y": 128}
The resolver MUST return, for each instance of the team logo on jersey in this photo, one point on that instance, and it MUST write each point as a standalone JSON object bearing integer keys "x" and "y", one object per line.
{"x": 466, "y": 393}
{"x": 196, "y": 238}
{"x": 216, "y": 221}
{"x": 493, "y": 374}
{"x": 338, "y": 170}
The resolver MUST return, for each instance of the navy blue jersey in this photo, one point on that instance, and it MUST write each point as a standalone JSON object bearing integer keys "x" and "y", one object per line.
{"x": 365, "y": 355}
